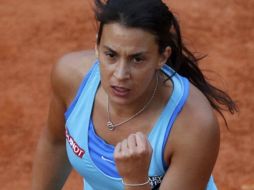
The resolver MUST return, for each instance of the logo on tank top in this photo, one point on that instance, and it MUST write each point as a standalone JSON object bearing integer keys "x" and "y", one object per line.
{"x": 106, "y": 159}
{"x": 155, "y": 182}
{"x": 75, "y": 147}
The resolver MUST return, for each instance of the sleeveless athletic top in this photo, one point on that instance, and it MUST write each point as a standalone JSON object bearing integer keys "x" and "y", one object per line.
{"x": 93, "y": 158}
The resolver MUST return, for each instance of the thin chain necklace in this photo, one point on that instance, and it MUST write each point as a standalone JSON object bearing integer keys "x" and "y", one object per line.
{"x": 111, "y": 126}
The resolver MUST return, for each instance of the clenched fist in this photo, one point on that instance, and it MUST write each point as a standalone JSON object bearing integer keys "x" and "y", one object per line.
{"x": 132, "y": 157}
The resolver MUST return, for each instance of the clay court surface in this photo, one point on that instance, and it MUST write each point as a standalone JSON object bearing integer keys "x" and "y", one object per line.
{"x": 34, "y": 34}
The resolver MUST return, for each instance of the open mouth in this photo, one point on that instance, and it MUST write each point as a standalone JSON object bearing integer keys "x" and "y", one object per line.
{"x": 120, "y": 91}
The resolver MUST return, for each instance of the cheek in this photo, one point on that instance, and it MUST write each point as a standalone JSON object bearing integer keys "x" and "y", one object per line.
{"x": 105, "y": 74}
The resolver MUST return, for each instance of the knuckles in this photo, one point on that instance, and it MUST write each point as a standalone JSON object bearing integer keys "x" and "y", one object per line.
{"x": 132, "y": 154}
{"x": 126, "y": 153}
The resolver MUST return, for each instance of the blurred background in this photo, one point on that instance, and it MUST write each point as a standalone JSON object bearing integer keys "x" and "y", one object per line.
{"x": 35, "y": 34}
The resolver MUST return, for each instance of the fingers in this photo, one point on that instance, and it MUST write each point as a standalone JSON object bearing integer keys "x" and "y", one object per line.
{"x": 141, "y": 140}
{"x": 132, "y": 157}
{"x": 124, "y": 147}
{"x": 134, "y": 143}
{"x": 118, "y": 147}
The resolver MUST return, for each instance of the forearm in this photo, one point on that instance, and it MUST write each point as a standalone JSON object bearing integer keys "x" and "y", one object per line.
{"x": 51, "y": 166}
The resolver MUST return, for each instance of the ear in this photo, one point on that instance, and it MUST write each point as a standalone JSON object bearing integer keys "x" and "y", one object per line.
{"x": 164, "y": 56}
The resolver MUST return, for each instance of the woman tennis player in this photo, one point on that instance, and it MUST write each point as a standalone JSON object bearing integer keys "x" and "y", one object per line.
{"x": 136, "y": 113}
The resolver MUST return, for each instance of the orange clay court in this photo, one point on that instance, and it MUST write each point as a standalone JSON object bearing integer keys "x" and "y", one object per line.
{"x": 34, "y": 34}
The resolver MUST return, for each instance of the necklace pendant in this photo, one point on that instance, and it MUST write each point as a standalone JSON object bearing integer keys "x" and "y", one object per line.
{"x": 110, "y": 126}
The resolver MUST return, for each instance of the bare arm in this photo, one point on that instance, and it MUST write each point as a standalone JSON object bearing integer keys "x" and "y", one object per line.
{"x": 51, "y": 165}
{"x": 195, "y": 144}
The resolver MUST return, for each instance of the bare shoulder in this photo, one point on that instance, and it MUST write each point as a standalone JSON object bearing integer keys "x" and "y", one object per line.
{"x": 197, "y": 115}
{"x": 68, "y": 73}
{"x": 193, "y": 145}
{"x": 197, "y": 124}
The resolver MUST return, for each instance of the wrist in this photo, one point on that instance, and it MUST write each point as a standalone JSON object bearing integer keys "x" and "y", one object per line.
{"x": 135, "y": 179}
{"x": 143, "y": 184}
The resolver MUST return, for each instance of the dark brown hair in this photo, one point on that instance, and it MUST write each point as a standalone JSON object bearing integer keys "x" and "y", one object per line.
{"x": 154, "y": 16}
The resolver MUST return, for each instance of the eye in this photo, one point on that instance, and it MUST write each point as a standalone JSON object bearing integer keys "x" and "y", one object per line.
{"x": 109, "y": 54}
{"x": 138, "y": 59}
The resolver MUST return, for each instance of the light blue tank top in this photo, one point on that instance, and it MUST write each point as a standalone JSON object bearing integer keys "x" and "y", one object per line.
{"x": 92, "y": 157}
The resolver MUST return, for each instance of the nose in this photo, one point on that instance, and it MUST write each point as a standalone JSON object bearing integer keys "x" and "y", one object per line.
{"x": 122, "y": 70}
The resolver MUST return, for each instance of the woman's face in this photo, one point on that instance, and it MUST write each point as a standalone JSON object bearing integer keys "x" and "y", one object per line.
{"x": 129, "y": 58}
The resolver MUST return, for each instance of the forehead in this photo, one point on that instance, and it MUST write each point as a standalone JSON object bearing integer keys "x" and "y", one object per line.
{"x": 119, "y": 37}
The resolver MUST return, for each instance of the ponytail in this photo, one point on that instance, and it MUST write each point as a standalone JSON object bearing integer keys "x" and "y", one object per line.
{"x": 155, "y": 17}
{"x": 186, "y": 64}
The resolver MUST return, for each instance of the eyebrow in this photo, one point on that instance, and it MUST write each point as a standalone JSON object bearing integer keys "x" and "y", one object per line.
{"x": 110, "y": 49}
{"x": 132, "y": 55}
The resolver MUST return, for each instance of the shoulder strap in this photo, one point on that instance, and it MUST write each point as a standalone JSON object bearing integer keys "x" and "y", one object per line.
{"x": 160, "y": 132}
{"x": 81, "y": 87}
